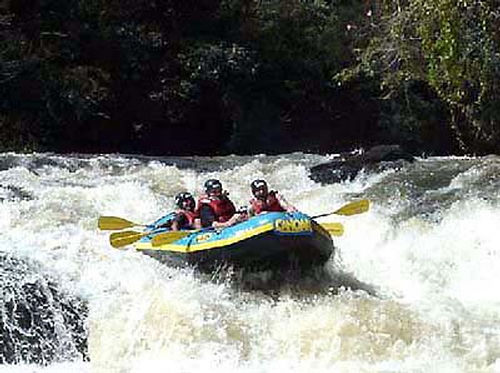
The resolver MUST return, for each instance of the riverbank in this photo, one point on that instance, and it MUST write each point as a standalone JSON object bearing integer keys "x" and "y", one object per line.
{"x": 247, "y": 77}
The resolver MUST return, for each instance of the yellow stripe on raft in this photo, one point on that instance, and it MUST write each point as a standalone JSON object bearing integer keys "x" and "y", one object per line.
{"x": 207, "y": 245}
{"x": 219, "y": 243}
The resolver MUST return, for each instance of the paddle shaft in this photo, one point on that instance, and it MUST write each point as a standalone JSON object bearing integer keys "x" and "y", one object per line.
{"x": 352, "y": 208}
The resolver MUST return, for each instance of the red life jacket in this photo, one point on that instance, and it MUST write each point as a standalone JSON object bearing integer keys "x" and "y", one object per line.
{"x": 271, "y": 203}
{"x": 223, "y": 207}
{"x": 189, "y": 215}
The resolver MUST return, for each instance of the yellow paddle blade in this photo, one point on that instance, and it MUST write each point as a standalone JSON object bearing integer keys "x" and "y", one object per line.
{"x": 113, "y": 223}
{"x": 169, "y": 237}
{"x": 335, "y": 229}
{"x": 120, "y": 239}
{"x": 353, "y": 208}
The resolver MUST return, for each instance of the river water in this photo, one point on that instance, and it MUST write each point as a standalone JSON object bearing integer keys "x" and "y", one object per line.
{"x": 413, "y": 286}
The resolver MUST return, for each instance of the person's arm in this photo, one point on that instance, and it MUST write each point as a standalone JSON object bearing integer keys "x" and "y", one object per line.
{"x": 207, "y": 216}
{"x": 236, "y": 218}
{"x": 175, "y": 225}
{"x": 178, "y": 222}
{"x": 250, "y": 210}
{"x": 197, "y": 223}
{"x": 285, "y": 204}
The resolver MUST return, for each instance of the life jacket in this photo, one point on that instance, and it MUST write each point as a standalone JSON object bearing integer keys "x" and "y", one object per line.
{"x": 189, "y": 215}
{"x": 271, "y": 203}
{"x": 223, "y": 207}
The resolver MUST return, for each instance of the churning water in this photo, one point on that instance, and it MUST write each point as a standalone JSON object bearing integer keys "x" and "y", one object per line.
{"x": 413, "y": 286}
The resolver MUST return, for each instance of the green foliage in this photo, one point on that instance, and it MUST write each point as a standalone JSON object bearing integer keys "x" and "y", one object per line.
{"x": 87, "y": 64}
{"x": 413, "y": 118}
{"x": 150, "y": 76}
{"x": 452, "y": 46}
{"x": 295, "y": 47}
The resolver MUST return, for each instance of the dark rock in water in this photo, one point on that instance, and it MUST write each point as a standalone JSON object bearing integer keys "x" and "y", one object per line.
{"x": 39, "y": 323}
{"x": 13, "y": 193}
{"x": 347, "y": 166}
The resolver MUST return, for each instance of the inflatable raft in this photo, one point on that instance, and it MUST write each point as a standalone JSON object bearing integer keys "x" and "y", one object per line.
{"x": 273, "y": 240}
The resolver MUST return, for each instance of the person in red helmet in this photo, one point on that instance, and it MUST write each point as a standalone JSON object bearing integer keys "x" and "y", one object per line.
{"x": 266, "y": 200}
{"x": 215, "y": 208}
{"x": 186, "y": 216}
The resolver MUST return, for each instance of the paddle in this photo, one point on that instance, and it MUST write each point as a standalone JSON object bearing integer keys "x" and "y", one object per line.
{"x": 171, "y": 236}
{"x": 352, "y": 208}
{"x": 120, "y": 239}
{"x": 114, "y": 223}
{"x": 335, "y": 229}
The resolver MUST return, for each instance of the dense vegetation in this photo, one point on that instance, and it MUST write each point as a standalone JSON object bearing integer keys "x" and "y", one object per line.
{"x": 244, "y": 76}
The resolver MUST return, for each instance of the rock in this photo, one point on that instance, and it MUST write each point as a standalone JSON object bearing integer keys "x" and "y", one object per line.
{"x": 348, "y": 165}
{"x": 39, "y": 323}
{"x": 14, "y": 193}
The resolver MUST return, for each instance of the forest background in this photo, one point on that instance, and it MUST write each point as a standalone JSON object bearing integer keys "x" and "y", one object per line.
{"x": 215, "y": 77}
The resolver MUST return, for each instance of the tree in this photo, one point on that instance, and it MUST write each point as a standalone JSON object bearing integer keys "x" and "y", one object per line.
{"x": 453, "y": 46}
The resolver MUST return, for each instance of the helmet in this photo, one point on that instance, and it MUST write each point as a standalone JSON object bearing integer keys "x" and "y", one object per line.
{"x": 258, "y": 184}
{"x": 182, "y": 197}
{"x": 212, "y": 184}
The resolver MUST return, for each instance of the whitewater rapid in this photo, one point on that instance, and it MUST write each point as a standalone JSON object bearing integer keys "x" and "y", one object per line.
{"x": 412, "y": 287}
